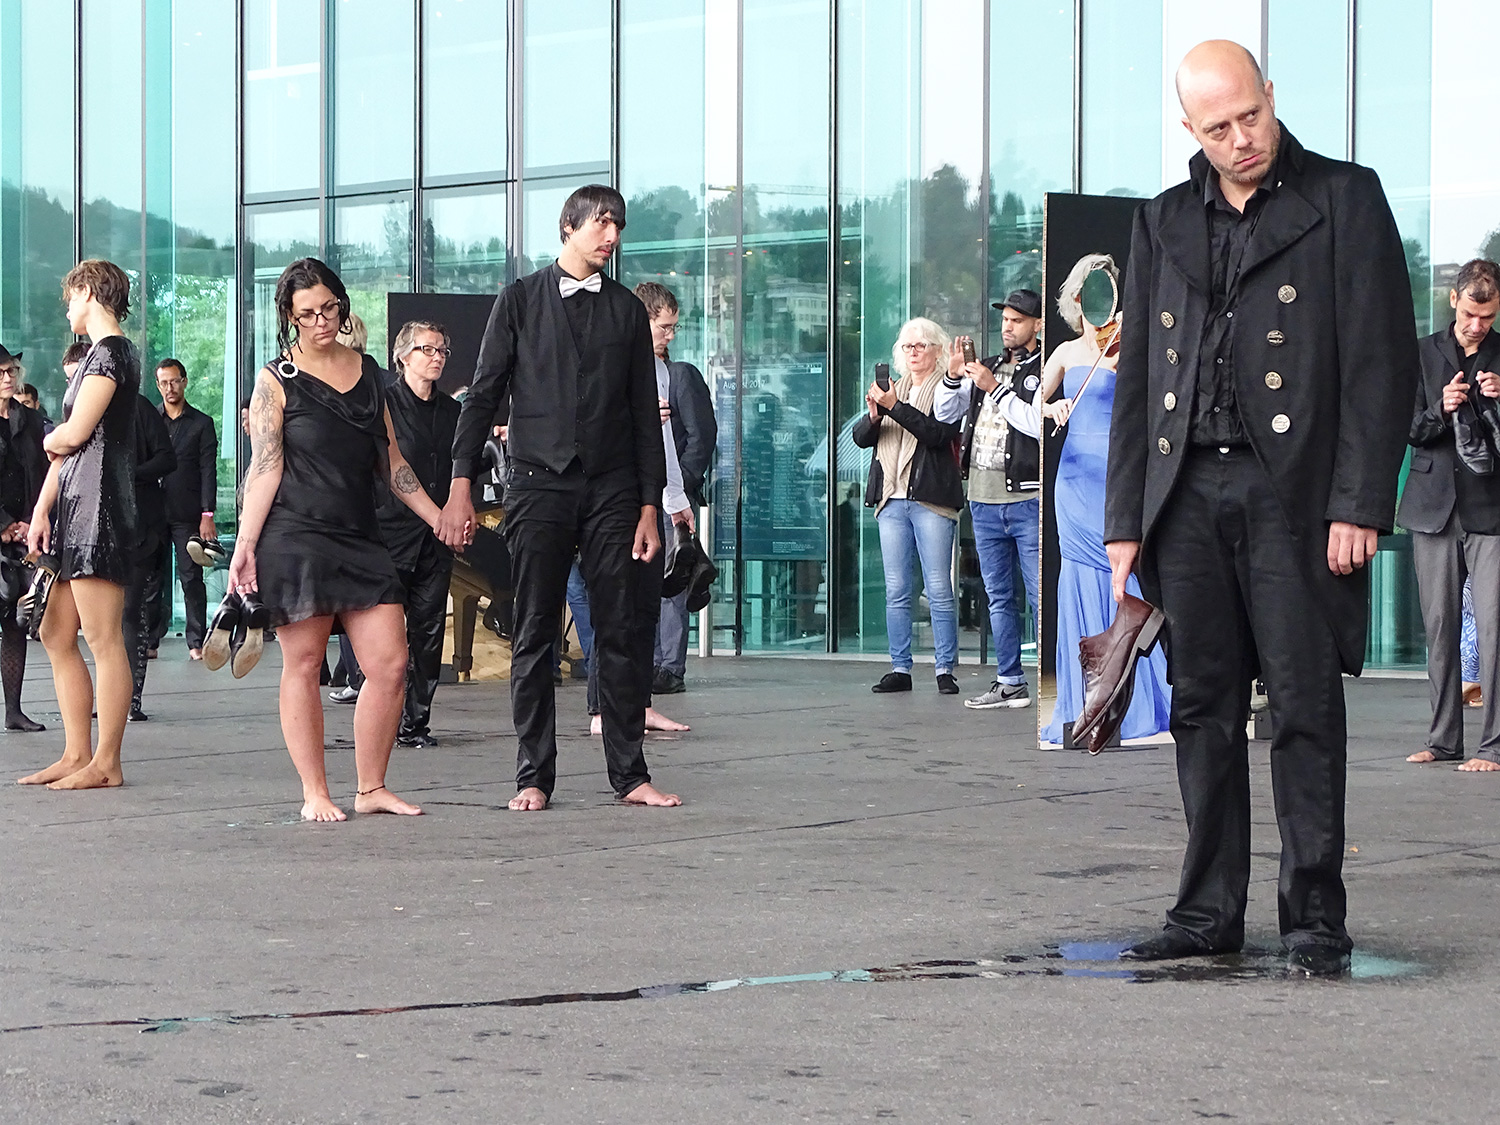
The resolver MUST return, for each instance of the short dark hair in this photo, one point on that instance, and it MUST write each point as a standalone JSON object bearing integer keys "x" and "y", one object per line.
{"x": 106, "y": 283}
{"x": 592, "y": 201}
{"x": 656, "y": 297}
{"x": 177, "y": 363}
{"x": 1478, "y": 279}
{"x": 28, "y": 389}
{"x": 304, "y": 273}
{"x": 75, "y": 352}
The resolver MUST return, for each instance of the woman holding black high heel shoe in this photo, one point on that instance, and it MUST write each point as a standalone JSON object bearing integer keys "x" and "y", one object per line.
{"x": 309, "y": 544}
{"x": 23, "y": 467}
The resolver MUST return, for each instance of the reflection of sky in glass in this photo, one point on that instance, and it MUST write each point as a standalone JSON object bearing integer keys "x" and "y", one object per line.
{"x": 1308, "y": 65}
{"x": 464, "y": 119}
{"x": 203, "y": 119}
{"x": 1185, "y": 24}
{"x": 46, "y": 111}
{"x": 1465, "y": 159}
{"x": 282, "y": 72}
{"x": 952, "y": 98}
{"x": 1122, "y": 71}
{"x": 661, "y": 95}
{"x": 373, "y": 74}
{"x": 567, "y": 83}
{"x": 112, "y": 104}
{"x": 786, "y": 99}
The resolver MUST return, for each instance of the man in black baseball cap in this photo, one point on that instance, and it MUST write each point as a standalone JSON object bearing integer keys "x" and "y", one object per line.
{"x": 1002, "y": 463}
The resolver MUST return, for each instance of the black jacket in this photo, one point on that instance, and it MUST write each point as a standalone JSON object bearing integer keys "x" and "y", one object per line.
{"x": 934, "y": 470}
{"x": 192, "y": 488}
{"x": 424, "y": 434}
{"x": 1023, "y": 453}
{"x": 593, "y": 400}
{"x": 23, "y": 435}
{"x": 1437, "y": 475}
{"x": 154, "y": 459}
{"x": 694, "y": 428}
{"x": 1325, "y": 363}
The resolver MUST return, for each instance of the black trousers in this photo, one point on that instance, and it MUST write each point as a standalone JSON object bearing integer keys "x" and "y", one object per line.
{"x": 194, "y": 595}
{"x": 549, "y": 516}
{"x": 1237, "y": 601}
{"x": 648, "y": 610}
{"x": 142, "y": 602}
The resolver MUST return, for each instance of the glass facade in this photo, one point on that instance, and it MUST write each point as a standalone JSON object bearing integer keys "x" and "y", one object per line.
{"x": 805, "y": 175}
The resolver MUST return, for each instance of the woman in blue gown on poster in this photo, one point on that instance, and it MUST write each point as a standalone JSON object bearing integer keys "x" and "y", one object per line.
{"x": 1083, "y": 602}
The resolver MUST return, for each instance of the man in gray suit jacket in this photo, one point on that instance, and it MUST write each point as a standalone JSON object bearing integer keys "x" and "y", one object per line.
{"x": 1453, "y": 511}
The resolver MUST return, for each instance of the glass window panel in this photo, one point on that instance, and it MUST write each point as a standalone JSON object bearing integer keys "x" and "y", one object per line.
{"x": 1465, "y": 174}
{"x": 463, "y": 123}
{"x": 371, "y": 251}
{"x": 283, "y": 78}
{"x": 783, "y": 419}
{"x": 1308, "y": 62}
{"x": 275, "y": 237}
{"x": 463, "y": 240}
{"x": 567, "y": 76}
{"x": 373, "y": 104}
{"x": 36, "y": 187}
{"x": 1122, "y": 98}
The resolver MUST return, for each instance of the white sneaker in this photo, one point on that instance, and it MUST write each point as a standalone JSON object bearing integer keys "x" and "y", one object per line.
{"x": 1000, "y": 695}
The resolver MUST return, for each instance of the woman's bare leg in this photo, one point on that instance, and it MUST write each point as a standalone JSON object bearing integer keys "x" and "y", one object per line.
{"x": 303, "y": 647}
{"x": 75, "y": 691}
{"x": 378, "y": 635}
{"x": 99, "y": 605}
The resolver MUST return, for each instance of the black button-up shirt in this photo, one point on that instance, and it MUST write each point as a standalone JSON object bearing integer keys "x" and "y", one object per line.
{"x": 1216, "y": 412}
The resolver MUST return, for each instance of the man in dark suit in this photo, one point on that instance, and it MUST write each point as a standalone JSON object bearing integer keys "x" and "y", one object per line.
{"x": 695, "y": 436}
{"x": 587, "y": 466}
{"x": 1453, "y": 511}
{"x": 192, "y": 493}
{"x": 154, "y": 459}
{"x": 1264, "y": 393}
{"x": 425, "y": 420}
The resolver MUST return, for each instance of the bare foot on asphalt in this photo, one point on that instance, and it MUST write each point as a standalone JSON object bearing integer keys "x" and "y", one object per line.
{"x": 1421, "y": 757}
{"x": 1479, "y": 765}
{"x": 655, "y": 720}
{"x": 55, "y": 772}
{"x": 322, "y": 810}
{"x": 383, "y": 800}
{"x": 531, "y": 799}
{"x": 91, "y": 777}
{"x": 647, "y": 794}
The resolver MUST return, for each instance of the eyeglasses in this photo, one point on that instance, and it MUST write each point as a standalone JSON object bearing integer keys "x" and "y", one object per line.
{"x": 7, "y": 372}
{"x": 667, "y": 330}
{"x": 177, "y": 382}
{"x": 329, "y": 312}
{"x": 919, "y": 346}
{"x": 431, "y": 351}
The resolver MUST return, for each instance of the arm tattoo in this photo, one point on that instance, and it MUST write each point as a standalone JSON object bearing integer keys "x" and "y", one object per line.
{"x": 405, "y": 480}
{"x": 265, "y": 428}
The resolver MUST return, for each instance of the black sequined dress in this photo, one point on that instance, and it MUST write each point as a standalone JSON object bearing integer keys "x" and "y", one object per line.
{"x": 94, "y": 518}
{"x": 320, "y": 551}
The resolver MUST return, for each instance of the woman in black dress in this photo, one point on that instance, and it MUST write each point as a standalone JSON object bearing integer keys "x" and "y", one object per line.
{"x": 23, "y": 467}
{"x": 308, "y": 538}
{"x": 85, "y": 519}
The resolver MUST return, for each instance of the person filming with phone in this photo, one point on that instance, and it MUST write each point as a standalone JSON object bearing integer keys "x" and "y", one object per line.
{"x": 916, "y": 492}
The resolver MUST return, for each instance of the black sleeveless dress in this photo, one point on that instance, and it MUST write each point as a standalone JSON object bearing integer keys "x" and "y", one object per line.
{"x": 94, "y": 518}
{"x": 320, "y": 551}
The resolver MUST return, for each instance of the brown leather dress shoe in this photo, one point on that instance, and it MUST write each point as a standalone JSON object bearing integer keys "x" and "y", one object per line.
{"x": 1108, "y": 661}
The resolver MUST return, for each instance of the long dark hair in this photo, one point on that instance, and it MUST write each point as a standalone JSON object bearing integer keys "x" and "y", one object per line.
{"x": 304, "y": 273}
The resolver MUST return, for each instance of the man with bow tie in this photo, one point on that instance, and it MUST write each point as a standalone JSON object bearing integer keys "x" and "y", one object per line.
{"x": 572, "y": 350}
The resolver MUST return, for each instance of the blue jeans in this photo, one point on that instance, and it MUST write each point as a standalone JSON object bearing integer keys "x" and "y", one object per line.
{"x": 578, "y": 605}
{"x": 904, "y": 525}
{"x": 1004, "y": 534}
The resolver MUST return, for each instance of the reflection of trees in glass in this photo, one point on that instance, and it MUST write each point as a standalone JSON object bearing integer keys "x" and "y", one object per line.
{"x": 475, "y": 266}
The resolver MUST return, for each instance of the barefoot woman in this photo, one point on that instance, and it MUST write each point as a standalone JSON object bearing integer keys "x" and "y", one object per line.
{"x": 309, "y": 541}
{"x": 85, "y": 519}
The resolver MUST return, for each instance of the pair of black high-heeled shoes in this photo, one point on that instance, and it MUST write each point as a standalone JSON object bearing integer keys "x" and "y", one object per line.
{"x": 237, "y": 634}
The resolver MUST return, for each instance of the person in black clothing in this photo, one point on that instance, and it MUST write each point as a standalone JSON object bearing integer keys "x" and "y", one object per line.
{"x": 425, "y": 420}
{"x": 309, "y": 539}
{"x": 191, "y": 494}
{"x": 572, "y": 349}
{"x": 85, "y": 520}
{"x": 23, "y": 465}
{"x": 154, "y": 459}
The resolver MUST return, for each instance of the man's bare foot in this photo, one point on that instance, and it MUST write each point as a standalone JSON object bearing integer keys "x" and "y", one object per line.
{"x": 322, "y": 810}
{"x": 383, "y": 800}
{"x": 91, "y": 777}
{"x": 56, "y": 771}
{"x": 195, "y": 654}
{"x": 596, "y": 725}
{"x": 655, "y": 720}
{"x": 1421, "y": 757}
{"x": 1479, "y": 765}
{"x": 530, "y": 799}
{"x": 647, "y": 794}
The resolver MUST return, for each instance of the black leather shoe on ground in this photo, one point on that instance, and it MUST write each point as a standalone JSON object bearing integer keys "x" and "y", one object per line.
{"x": 1168, "y": 946}
{"x": 947, "y": 685}
{"x": 1313, "y": 960}
{"x": 416, "y": 741}
{"x": 893, "y": 681}
{"x": 137, "y": 715}
{"x": 667, "y": 683}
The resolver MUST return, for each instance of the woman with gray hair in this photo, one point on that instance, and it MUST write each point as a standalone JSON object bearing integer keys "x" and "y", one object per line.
{"x": 916, "y": 492}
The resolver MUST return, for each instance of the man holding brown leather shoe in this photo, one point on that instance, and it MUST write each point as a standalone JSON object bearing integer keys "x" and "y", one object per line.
{"x": 1265, "y": 384}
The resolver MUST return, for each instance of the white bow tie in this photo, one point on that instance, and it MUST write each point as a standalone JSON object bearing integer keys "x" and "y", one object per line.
{"x": 570, "y": 285}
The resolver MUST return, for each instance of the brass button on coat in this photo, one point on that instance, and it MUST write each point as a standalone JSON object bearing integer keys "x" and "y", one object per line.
{"x": 1276, "y": 337}
{"x": 1281, "y": 423}
{"x": 1286, "y": 294}
{"x": 1167, "y": 319}
{"x": 1170, "y": 402}
{"x": 1171, "y": 355}
{"x": 1164, "y": 445}
{"x": 1273, "y": 380}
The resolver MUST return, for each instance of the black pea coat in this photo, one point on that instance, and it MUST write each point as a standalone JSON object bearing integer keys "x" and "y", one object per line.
{"x": 1325, "y": 364}
{"x": 23, "y": 433}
